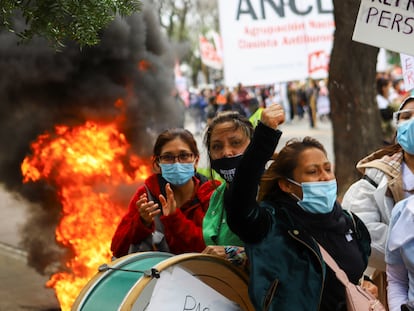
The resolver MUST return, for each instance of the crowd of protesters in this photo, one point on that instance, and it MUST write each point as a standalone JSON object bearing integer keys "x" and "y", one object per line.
{"x": 301, "y": 99}
{"x": 297, "y": 190}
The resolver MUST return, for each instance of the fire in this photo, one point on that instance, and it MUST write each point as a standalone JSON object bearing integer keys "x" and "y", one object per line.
{"x": 85, "y": 164}
{"x": 144, "y": 65}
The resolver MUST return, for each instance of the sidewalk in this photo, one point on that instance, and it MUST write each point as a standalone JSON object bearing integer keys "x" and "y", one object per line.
{"x": 23, "y": 289}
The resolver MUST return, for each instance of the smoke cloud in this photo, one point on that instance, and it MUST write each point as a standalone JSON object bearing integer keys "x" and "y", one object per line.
{"x": 40, "y": 88}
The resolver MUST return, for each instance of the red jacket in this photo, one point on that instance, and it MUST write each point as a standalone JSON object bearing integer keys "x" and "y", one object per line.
{"x": 183, "y": 230}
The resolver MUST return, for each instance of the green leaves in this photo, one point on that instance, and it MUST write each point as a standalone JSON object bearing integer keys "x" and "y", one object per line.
{"x": 61, "y": 20}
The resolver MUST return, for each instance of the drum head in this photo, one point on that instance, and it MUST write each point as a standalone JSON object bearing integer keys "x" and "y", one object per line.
{"x": 215, "y": 272}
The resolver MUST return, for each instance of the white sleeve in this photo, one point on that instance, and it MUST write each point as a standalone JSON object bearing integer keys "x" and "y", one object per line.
{"x": 360, "y": 200}
{"x": 397, "y": 290}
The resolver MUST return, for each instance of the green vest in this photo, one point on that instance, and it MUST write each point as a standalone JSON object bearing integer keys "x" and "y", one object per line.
{"x": 215, "y": 228}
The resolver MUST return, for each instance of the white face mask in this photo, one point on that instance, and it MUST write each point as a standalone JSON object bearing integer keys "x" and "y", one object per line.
{"x": 318, "y": 197}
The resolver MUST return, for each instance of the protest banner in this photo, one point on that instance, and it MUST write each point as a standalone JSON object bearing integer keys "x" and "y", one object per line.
{"x": 387, "y": 24}
{"x": 210, "y": 53}
{"x": 273, "y": 41}
{"x": 407, "y": 66}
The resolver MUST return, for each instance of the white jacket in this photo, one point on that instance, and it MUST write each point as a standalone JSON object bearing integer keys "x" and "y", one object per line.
{"x": 372, "y": 198}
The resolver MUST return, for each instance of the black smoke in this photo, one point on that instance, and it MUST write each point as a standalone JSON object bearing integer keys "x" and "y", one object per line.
{"x": 40, "y": 88}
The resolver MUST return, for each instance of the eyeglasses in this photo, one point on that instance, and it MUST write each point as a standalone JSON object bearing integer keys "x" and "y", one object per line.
{"x": 403, "y": 115}
{"x": 184, "y": 157}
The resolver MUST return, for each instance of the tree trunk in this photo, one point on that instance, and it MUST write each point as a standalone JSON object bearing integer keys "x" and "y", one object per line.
{"x": 355, "y": 117}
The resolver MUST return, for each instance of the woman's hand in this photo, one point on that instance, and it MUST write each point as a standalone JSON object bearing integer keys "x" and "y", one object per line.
{"x": 147, "y": 209}
{"x": 215, "y": 250}
{"x": 371, "y": 287}
{"x": 169, "y": 206}
{"x": 273, "y": 116}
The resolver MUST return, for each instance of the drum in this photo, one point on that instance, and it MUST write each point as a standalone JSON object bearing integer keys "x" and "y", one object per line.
{"x": 108, "y": 288}
{"x": 188, "y": 280}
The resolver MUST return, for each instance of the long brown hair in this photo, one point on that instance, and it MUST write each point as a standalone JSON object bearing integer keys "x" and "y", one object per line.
{"x": 283, "y": 165}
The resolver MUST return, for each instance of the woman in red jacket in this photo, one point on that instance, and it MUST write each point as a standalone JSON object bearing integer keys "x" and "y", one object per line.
{"x": 171, "y": 204}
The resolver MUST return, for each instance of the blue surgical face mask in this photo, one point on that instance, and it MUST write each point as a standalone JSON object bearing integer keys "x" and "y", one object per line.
{"x": 177, "y": 173}
{"x": 405, "y": 135}
{"x": 318, "y": 197}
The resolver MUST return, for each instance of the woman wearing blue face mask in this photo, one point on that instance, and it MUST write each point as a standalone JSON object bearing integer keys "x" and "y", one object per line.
{"x": 281, "y": 226}
{"x": 388, "y": 178}
{"x": 175, "y": 196}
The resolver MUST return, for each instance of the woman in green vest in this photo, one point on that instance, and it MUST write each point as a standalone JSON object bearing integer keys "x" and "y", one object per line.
{"x": 226, "y": 139}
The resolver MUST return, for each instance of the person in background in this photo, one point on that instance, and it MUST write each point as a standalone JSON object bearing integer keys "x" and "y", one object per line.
{"x": 312, "y": 91}
{"x": 295, "y": 210}
{"x": 399, "y": 256}
{"x": 385, "y": 108}
{"x": 387, "y": 179}
{"x": 211, "y": 109}
{"x": 243, "y": 97}
{"x": 179, "y": 197}
{"x": 226, "y": 139}
{"x": 397, "y": 92}
{"x": 323, "y": 105}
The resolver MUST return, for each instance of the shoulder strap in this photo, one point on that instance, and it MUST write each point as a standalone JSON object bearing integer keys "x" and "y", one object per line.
{"x": 158, "y": 224}
{"x": 149, "y": 194}
{"x": 158, "y": 235}
{"x": 370, "y": 180}
{"x": 340, "y": 274}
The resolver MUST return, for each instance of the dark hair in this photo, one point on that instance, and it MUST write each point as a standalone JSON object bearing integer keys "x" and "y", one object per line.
{"x": 172, "y": 134}
{"x": 283, "y": 165}
{"x": 381, "y": 82}
{"x": 239, "y": 121}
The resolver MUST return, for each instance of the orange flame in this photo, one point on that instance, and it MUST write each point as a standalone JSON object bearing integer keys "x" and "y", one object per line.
{"x": 144, "y": 65}
{"x": 85, "y": 164}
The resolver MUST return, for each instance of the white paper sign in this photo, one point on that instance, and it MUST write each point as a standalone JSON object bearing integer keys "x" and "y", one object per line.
{"x": 265, "y": 42}
{"x": 407, "y": 66}
{"x": 386, "y": 23}
{"x": 178, "y": 290}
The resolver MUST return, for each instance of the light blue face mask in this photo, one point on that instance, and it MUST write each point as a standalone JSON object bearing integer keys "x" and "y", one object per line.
{"x": 177, "y": 173}
{"x": 318, "y": 197}
{"x": 405, "y": 135}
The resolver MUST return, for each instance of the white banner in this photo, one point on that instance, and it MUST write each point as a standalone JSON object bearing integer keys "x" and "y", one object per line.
{"x": 387, "y": 24}
{"x": 407, "y": 66}
{"x": 274, "y": 41}
{"x": 210, "y": 55}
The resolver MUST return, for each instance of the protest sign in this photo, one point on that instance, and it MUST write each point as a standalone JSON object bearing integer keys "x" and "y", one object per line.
{"x": 275, "y": 41}
{"x": 385, "y": 23}
{"x": 407, "y": 66}
{"x": 178, "y": 290}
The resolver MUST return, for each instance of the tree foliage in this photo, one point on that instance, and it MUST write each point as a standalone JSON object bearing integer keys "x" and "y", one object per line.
{"x": 61, "y": 20}
{"x": 183, "y": 21}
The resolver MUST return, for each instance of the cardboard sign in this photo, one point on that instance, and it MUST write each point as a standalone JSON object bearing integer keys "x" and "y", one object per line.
{"x": 386, "y": 23}
{"x": 178, "y": 290}
{"x": 265, "y": 42}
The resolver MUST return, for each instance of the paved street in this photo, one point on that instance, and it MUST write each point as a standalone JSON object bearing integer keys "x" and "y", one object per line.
{"x": 22, "y": 288}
